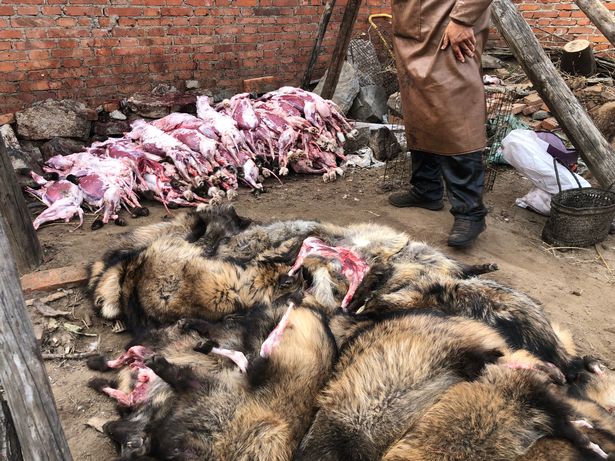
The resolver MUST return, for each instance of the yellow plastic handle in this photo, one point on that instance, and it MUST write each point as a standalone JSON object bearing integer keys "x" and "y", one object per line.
{"x": 379, "y": 15}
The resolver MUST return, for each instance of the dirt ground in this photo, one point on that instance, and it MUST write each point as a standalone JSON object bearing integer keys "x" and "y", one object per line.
{"x": 577, "y": 287}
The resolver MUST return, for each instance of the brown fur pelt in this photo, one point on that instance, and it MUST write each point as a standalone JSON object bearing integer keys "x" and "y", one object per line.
{"x": 498, "y": 417}
{"x": 261, "y": 415}
{"x": 388, "y": 375}
{"x": 170, "y": 280}
{"x": 517, "y": 317}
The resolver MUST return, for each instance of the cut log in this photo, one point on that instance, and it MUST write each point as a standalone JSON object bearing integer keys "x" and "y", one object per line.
{"x": 322, "y": 29}
{"x": 572, "y": 117}
{"x": 13, "y": 210}
{"x": 600, "y": 16}
{"x": 578, "y": 58}
{"x": 23, "y": 374}
{"x": 52, "y": 279}
{"x": 341, "y": 47}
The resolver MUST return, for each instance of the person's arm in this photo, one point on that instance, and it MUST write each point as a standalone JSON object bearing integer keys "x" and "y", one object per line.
{"x": 459, "y": 33}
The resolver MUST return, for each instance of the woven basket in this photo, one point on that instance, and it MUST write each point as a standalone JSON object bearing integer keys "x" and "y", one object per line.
{"x": 579, "y": 217}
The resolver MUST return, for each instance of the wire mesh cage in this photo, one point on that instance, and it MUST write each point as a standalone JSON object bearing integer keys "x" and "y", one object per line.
{"x": 499, "y": 102}
{"x": 371, "y": 52}
{"x": 500, "y": 120}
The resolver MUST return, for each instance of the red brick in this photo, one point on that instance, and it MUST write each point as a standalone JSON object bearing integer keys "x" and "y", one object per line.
{"x": 260, "y": 85}
{"x": 549, "y": 124}
{"x": 7, "y": 118}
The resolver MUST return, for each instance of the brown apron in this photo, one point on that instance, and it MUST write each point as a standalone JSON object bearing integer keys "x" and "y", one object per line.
{"x": 443, "y": 99}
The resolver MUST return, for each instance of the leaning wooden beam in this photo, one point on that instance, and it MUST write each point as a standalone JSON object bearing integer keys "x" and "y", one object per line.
{"x": 339, "y": 53}
{"x": 22, "y": 373}
{"x": 571, "y": 115}
{"x": 22, "y": 236}
{"x": 9, "y": 443}
{"x": 322, "y": 28}
{"x": 600, "y": 16}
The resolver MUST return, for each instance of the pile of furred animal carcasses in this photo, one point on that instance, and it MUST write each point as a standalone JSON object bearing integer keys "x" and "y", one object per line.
{"x": 183, "y": 160}
{"x": 303, "y": 340}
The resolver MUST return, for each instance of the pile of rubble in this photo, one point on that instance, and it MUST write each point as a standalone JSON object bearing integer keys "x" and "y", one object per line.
{"x": 63, "y": 127}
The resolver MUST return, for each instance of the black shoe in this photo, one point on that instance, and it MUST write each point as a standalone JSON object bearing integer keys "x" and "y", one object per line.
{"x": 465, "y": 231}
{"x": 410, "y": 199}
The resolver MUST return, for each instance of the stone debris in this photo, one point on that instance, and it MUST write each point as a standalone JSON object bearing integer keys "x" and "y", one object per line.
{"x": 384, "y": 144}
{"x": 112, "y": 127}
{"x": 52, "y": 118}
{"x": 394, "y": 105}
{"x": 61, "y": 146}
{"x": 370, "y": 105}
{"x": 347, "y": 88}
{"x": 159, "y": 105}
{"x": 117, "y": 115}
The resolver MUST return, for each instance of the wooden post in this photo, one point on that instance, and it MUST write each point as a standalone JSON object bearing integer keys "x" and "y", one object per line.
{"x": 22, "y": 372}
{"x": 600, "y": 16}
{"x": 570, "y": 114}
{"x": 339, "y": 53}
{"x": 21, "y": 234}
{"x": 10, "y": 450}
{"x": 322, "y": 28}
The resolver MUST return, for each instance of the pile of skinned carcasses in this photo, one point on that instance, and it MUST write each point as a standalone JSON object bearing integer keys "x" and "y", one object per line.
{"x": 304, "y": 340}
{"x": 184, "y": 160}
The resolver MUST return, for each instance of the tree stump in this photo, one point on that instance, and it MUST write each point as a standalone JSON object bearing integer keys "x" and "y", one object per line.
{"x": 578, "y": 58}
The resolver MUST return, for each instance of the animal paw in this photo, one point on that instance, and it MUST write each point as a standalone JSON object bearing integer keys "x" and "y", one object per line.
{"x": 97, "y": 362}
{"x": 118, "y": 327}
{"x": 98, "y": 384}
{"x": 156, "y": 363}
{"x": 205, "y": 347}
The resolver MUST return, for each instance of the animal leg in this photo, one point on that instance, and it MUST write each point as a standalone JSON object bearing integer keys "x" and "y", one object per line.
{"x": 134, "y": 354}
{"x": 178, "y": 377}
{"x": 274, "y": 338}
{"x": 202, "y": 327}
{"x": 237, "y": 357}
{"x": 473, "y": 270}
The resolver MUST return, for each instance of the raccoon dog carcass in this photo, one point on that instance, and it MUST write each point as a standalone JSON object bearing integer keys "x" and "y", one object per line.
{"x": 258, "y": 415}
{"x": 387, "y": 376}
{"x": 498, "y": 417}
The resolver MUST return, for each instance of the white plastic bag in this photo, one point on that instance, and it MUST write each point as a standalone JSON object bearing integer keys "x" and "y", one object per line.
{"x": 525, "y": 151}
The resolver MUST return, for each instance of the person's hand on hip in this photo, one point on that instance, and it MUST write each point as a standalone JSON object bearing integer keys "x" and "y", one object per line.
{"x": 461, "y": 39}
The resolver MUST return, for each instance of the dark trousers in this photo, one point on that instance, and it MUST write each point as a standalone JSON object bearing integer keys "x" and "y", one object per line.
{"x": 464, "y": 176}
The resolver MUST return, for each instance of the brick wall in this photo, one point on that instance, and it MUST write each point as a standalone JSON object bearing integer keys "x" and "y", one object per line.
{"x": 99, "y": 50}
{"x": 560, "y": 18}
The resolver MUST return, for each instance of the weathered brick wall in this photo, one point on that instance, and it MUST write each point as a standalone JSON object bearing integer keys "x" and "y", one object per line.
{"x": 552, "y": 18}
{"x": 99, "y": 50}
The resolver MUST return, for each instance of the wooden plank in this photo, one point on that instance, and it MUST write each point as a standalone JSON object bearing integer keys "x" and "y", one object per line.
{"x": 572, "y": 117}
{"x": 52, "y": 279}
{"x": 322, "y": 29}
{"x": 21, "y": 234}
{"x": 600, "y": 16}
{"x": 23, "y": 373}
{"x": 341, "y": 47}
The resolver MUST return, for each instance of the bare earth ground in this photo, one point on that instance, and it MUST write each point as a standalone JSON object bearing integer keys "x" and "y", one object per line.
{"x": 576, "y": 287}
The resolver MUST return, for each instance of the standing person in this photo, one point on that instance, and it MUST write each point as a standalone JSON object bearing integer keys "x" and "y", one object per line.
{"x": 438, "y": 46}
